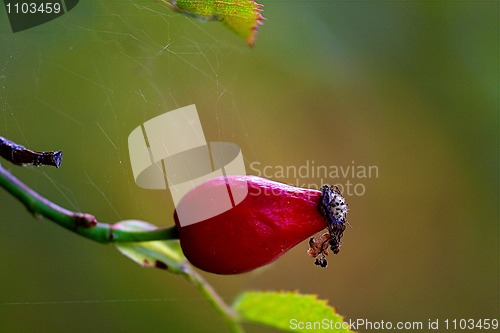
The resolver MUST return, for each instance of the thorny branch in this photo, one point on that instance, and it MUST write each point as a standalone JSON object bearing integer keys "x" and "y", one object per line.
{"x": 81, "y": 223}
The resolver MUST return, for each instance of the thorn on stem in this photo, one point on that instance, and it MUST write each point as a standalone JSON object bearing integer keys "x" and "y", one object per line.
{"x": 83, "y": 220}
{"x": 160, "y": 265}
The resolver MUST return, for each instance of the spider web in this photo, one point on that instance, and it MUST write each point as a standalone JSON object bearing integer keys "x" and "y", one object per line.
{"x": 82, "y": 82}
{"x": 341, "y": 73}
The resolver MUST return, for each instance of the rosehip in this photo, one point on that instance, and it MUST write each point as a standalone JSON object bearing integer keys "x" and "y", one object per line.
{"x": 271, "y": 219}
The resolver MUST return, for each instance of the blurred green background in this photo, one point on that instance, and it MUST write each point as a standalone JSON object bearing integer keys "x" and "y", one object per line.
{"x": 409, "y": 87}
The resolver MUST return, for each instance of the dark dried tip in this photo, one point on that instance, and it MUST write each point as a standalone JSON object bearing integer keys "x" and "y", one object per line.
{"x": 334, "y": 210}
{"x": 321, "y": 261}
{"x": 57, "y": 158}
{"x": 52, "y": 158}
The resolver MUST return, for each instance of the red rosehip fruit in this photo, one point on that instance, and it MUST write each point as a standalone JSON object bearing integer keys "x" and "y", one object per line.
{"x": 265, "y": 223}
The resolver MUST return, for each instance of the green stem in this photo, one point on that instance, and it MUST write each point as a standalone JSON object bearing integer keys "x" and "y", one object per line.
{"x": 83, "y": 224}
{"x": 225, "y": 311}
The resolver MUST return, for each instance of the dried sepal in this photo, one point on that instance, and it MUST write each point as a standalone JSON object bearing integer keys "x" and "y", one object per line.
{"x": 318, "y": 248}
{"x": 333, "y": 208}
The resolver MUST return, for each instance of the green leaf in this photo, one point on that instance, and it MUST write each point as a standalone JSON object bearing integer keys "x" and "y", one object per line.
{"x": 159, "y": 254}
{"x": 241, "y": 16}
{"x": 289, "y": 311}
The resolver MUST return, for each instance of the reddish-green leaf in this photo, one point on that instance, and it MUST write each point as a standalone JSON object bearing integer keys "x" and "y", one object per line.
{"x": 242, "y": 16}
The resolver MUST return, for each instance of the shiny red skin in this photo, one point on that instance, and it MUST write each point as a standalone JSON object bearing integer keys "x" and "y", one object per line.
{"x": 271, "y": 219}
